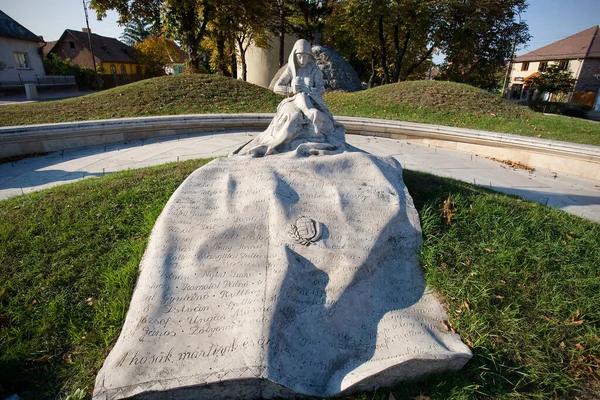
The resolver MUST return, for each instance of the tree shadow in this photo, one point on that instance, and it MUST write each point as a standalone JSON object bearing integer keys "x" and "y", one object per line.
{"x": 316, "y": 341}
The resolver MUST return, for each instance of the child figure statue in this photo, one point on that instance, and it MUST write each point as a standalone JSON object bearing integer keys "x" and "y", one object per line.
{"x": 303, "y": 122}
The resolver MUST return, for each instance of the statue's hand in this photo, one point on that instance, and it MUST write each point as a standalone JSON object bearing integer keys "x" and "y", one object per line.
{"x": 299, "y": 86}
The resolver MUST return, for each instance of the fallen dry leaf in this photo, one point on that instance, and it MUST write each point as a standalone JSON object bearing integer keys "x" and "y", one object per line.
{"x": 489, "y": 250}
{"x": 501, "y": 298}
{"x": 574, "y": 320}
{"x": 445, "y": 325}
{"x": 68, "y": 359}
{"x": 449, "y": 210}
{"x": 553, "y": 322}
{"x": 579, "y": 347}
{"x": 512, "y": 164}
{"x": 2, "y": 291}
{"x": 562, "y": 345}
{"x": 466, "y": 304}
{"x": 42, "y": 359}
{"x": 90, "y": 301}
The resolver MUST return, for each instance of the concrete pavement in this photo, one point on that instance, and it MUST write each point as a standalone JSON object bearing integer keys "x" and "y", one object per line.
{"x": 574, "y": 195}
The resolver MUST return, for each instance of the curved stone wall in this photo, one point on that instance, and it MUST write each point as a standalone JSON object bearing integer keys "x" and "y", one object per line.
{"x": 575, "y": 159}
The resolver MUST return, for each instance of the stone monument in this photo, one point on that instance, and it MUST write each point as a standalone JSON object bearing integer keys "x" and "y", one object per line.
{"x": 338, "y": 74}
{"x": 288, "y": 269}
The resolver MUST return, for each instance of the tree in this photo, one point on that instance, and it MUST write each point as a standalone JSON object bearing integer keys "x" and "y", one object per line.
{"x": 397, "y": 36}
{"x": 308, "y": 18}
{"x": 184, "y": 20}
{"x": 478, "y": 38}
{"x": 554, "y": 80}
{"x": 136, "y": 30}
{"x": 155, "y": 53}
{"x": 251, "y": 27}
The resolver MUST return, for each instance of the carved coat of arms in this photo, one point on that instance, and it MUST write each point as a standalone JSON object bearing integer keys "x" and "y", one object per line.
{"x": 305, "y": 231}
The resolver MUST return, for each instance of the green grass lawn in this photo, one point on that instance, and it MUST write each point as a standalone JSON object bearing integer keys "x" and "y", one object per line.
{"x": 521, "y": 283}
{"x": 433, "y": 102}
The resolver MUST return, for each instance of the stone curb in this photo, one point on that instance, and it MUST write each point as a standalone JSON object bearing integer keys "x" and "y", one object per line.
{"x": 576, "y": 159}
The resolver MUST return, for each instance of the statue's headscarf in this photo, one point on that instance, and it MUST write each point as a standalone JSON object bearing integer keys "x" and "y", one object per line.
{"x": 301, "y": 46}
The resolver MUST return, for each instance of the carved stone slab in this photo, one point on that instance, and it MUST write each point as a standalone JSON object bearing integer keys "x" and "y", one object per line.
{"x": 230, "y": 304}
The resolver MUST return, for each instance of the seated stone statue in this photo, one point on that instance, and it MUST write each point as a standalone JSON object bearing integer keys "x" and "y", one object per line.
{"x": 303, "y": 122}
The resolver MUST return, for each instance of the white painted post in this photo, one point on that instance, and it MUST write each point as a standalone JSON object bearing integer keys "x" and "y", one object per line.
{"x": 31, "y": 91}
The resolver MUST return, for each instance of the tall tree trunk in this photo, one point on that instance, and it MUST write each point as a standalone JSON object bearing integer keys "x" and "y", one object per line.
{"x": 384, "y": 63}
{"x": 192, "y": 48}
{"x": 282, "y": 34}
{"x": 242, "y": 50}
{"x": 400, "y": 52}
{"x": 410, "y": 69}
{"x": 221, "y": 63}
{"x": 192, "y": 40}
{"x": 372, "y": 77}
{"x": 234, "y": 74}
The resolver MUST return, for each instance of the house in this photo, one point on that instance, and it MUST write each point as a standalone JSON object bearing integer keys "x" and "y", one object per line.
{"x": 579, "y": 53}
{"x": 20, "y": 59}
{"x": 178, "y": 59}
{"x": 112, "y": 58}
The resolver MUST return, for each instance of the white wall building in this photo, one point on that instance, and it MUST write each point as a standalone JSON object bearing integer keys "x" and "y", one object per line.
{"x": 579, "y": 54}
{"x": 20, "y": 59}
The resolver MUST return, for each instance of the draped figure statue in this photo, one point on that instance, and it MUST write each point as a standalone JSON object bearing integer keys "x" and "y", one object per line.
{"x": 303, "y": 122}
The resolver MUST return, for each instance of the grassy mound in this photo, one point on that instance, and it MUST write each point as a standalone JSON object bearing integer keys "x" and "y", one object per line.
{"x": 460, "y": 105}
{"x": 167, "y": 95}
{"x": 438, "y": 97}
{"x": 521, "y": 283}
{"x": 433, "y": 102}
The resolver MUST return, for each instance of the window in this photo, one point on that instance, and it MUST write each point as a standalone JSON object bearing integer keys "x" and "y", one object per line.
{"x": 525, "y": 66}
{"x": 563, "y": 65}
{"x": 113, "y": 69}
{"x": 123, "y": 70}
{"x": 543, "y": 66}
{"x": 22, "y": 60}
{"x": 72, "y": 44}
{"x": 138, "y": 70}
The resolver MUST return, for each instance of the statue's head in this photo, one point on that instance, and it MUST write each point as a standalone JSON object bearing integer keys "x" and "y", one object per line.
{"x": 302, "y": 53}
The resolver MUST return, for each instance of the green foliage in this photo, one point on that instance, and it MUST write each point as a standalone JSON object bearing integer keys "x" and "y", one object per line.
{"x": 156, "y": 52}
{"x": 136, "y": 31}
{"x": 553, "y": 80}
{"x": 84, "y": 77}
{"x": 479, "y": 38}
{"x": 568, "y": 109}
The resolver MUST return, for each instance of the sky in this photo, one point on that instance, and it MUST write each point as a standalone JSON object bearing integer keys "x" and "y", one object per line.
{"x": 549, "y": 20}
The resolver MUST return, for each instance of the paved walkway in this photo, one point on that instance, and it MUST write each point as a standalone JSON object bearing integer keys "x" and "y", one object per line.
{"x": 42, "y": 96}
{"x": 574, "y": 195}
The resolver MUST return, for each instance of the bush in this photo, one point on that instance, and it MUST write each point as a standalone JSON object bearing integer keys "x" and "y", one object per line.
{"x": 567, "y": 109}
{"x": 84, "y": 77}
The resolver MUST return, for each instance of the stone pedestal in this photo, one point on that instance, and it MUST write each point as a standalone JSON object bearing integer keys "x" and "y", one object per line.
{"x": 31, "y": 91}
{"x": 281, "y": 276}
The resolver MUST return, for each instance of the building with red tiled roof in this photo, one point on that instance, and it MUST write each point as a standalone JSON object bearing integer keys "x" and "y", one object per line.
{"x": 579, "y": 53}
{"x": 112, "y": 56}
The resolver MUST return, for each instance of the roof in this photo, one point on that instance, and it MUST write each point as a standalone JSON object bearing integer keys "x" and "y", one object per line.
{"x": 585, "y": 44}
{"x": 106, "y": 49}
{"x": 12, "y": 29}
{"x": 183, "y": 56}
{"x": 47, "y": 47}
